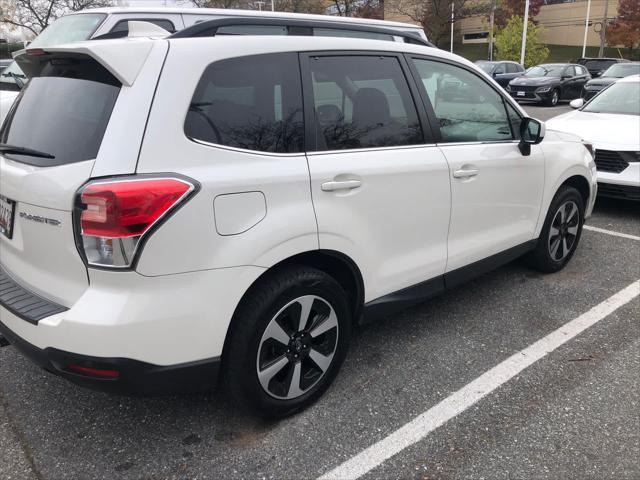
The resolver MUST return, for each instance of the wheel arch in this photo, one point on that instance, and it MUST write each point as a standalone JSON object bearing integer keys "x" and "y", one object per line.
{"x": 581, "y": 184}
{"x": 335, "y": 264}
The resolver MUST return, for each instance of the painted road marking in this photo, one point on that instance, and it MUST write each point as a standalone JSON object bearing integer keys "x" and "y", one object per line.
{"x": 471, "y": 393}
{"x": 611, "y": 232}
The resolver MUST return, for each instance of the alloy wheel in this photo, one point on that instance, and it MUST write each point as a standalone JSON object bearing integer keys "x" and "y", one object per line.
{"x": 297, "y": 347}
{"x": 564, "y": 231}
{"x": 554, "y": 98}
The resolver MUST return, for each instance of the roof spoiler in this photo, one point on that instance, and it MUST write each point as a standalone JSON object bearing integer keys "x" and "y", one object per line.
{"x": 123, "y": 59}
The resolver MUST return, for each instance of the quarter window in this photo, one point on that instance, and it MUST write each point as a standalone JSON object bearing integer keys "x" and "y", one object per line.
{"x": 362, "y": 102}
{"x": 251, "y": 102}
{"x": 466, "y": 107}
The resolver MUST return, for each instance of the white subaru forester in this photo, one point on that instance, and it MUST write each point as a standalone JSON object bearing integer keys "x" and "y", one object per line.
{"x": 176, "y": 208}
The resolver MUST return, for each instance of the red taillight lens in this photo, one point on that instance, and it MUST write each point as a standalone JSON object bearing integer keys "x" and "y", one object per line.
{"x": 128, "y": 208}
{"x": 94, "y": 372}
{"x": 115, "y": 215}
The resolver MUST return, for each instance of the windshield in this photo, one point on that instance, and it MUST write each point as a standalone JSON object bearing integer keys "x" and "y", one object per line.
{"x": 622, "y": 98}
{"x": 545, "y": 71}
{"x": 620, "y": 70}
{"x": 597, "y": 64}
{"x": 486, "y": 66}
{"x": 72, "y": 28}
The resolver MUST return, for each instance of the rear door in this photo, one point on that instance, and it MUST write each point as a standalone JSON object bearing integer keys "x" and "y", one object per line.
{"x": 72, "y": 112}
{"x": 380, "y": 186}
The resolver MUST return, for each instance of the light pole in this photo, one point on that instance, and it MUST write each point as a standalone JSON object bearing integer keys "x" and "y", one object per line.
{"x": 603, "y": 31}
{"x": 524, "y": 32}
{"x": 586, "y": 29}
{"x": 492, "y": 18}
{"x": 452, "y": 20}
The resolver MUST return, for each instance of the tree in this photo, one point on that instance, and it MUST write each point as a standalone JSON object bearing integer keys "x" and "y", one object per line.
{"x": 36, "y": 15}
{"x": 433, "y": 15}
{"x": 509, "y": 42}
{"x": 296, "y": 6}
{"x": 506, "y": 9}
{"x": 625, "y": 29}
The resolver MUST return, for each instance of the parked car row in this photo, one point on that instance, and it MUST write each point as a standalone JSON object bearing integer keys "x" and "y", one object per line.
{"x": 550, "y": 83}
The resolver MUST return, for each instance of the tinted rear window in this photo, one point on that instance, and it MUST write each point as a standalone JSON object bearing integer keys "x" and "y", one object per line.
{"x": 251, "y": 102}
{"x": 63, "y": 112}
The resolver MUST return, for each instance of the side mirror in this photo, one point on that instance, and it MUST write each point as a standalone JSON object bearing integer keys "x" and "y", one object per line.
{"x": 531, "y": 133}
{"x": 577, "y": 103}
{"x": 566, "y": 77}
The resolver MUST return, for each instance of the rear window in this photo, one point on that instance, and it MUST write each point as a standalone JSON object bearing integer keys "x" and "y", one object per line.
{"x": 253, "y": 103}
{"x": 64, "y": 112}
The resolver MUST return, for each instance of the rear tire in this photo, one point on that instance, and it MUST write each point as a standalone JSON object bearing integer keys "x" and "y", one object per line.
{"x": 560, "y": 233}
{"x": 287, "y": 341}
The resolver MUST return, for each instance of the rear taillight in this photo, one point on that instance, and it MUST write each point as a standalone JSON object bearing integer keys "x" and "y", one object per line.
{"x": 113, "y": 216}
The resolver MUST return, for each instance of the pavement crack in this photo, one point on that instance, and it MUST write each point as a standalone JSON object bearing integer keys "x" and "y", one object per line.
{"x": 26, "y": 448}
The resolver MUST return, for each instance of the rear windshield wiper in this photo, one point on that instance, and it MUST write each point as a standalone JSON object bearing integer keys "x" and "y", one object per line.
{"x": 4, "y": 148}
{"x": 16, "y": 78}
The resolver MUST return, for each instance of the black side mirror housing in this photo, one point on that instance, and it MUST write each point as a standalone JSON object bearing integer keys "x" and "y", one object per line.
{"x": 532, "y": 132}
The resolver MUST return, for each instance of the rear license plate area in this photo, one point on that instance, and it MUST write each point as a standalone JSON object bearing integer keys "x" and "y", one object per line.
{"x": 7, "y": 216}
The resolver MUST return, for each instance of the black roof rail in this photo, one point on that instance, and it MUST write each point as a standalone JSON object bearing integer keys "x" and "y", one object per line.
{"x": 298, "y": 27}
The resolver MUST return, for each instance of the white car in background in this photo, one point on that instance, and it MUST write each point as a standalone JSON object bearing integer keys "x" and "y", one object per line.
{"x": 111, "y": 23}
{"x": 611, "y": 122}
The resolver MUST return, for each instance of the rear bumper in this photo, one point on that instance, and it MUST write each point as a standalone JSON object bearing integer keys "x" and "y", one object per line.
{"x": 134, "y": 377}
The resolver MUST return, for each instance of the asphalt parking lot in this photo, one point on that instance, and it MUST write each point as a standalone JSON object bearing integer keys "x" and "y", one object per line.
{"x": 572, "y": 413}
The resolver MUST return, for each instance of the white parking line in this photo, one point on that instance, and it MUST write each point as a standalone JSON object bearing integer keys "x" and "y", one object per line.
{"x": 610, "y": 232}
{"x": 471, "y": 393}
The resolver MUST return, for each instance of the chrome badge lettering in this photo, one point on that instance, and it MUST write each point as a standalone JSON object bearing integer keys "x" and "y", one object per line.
{"x": 36, "y": 218}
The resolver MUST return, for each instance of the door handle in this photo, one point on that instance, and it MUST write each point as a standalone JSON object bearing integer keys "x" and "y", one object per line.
{"x": 465, "y": 173}
{"x": 340, "y": 185}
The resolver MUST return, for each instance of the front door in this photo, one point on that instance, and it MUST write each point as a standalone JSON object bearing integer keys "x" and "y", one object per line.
{"x": 380, "y": 185}
{"x": 496, "y": 192}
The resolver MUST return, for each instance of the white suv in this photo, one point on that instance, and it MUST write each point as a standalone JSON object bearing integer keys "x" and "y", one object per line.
{"x": 172, "y": 209}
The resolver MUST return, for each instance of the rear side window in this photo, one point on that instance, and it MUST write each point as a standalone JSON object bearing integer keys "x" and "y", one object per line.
{"x": 362, "y": 102}
{"x": 63, "y": 112}
{"x": 251, "y": 102}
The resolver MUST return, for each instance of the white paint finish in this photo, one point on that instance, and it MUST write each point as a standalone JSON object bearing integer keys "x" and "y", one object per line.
{"x": 237, "y": 213}
{"x": 43, "y": 257}
{"x": 474, "y": 391}
{"x": 120, "y": 145}
{"x": 565, "y": 157}
{"x": 499, "y": 207}
{"x": 119, "y": 15}
{"x": 126, "y": 315}
{"x": 394, "y": 226}
{"x": 611, "y": 232}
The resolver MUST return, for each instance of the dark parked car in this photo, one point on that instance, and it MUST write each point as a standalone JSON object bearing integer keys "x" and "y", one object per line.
{"x": 502, "y": 72}
{"x": 549, "y": 83}
{"x": 611, "y": 74}
{"x": 597, "y": 66}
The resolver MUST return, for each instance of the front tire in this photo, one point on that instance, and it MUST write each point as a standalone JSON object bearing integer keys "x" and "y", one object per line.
{"x": 287, "y": 341}
{"x": 554, "y": 99}
{"x": 560, "y": 233}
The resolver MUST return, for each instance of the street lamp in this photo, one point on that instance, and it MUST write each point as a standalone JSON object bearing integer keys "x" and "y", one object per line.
{"x": 524, "y": 32}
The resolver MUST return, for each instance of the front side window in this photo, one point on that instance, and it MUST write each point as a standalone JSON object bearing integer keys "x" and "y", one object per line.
{"x": 466, "y": 107}
{"x": 254, "y": 103}
{"x": 362, "y": 102}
